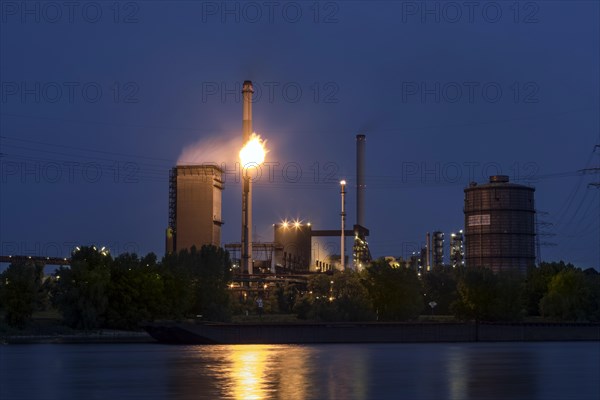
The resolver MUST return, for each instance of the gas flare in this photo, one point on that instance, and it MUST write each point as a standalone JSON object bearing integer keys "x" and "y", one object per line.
{"x": 254, "y": 151}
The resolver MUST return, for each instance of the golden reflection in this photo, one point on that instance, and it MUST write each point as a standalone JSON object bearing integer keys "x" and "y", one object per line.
{"x": 294, "y": 373}
{"x": 248, "y": 370}
{"x": 264, "y": 371}
{"x": 291, "y": 372}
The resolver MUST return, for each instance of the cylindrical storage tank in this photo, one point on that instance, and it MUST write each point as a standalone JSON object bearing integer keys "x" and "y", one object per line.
{"x": 294, "y": 240}
{"x": 500, "y": 225}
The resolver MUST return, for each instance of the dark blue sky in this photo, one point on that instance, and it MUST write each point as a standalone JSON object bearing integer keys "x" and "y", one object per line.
{"x": 98, "y": 102}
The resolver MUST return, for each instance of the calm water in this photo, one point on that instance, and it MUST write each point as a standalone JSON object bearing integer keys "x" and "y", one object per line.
{"x": 395, "y": 371}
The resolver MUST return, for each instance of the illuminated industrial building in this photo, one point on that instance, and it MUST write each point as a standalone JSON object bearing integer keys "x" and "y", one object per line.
{"x": 263, "y": 257}
{"x": 457, "y": 249}
{"x": 195, "y": 193}
{"x": 325, "y": 251}
{"x": 500, "y": 225}
{"x": 294, "y": 246}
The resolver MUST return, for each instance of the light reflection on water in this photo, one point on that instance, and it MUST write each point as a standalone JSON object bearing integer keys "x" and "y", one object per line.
{"x": 496, "y": 370}
{"x": 345, "y": 371}
{"x": 247, "y": 374}
{"x": 277, "y": 371}
{"x": 245, "y": 370}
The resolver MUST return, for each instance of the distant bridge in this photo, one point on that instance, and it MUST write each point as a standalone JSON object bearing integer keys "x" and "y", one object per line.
{"x": 36, "y": 260}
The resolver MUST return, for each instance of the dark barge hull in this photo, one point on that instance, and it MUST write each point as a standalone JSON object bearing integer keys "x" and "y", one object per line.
{"x": 221, "y": 333}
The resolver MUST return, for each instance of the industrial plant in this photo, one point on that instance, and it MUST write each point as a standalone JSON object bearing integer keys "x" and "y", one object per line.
{"x": 499, "y": 226}
{"x": 195, "y": 219}
{"x": 499, "y": 223}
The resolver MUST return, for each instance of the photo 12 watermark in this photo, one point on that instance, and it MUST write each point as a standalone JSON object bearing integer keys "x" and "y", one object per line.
{"x": 270, "y": 12}
{"x": 470, "y": 12}
{"x": 37, "y": 172}
{"x": 470, "y": 92}
{"x": 288, "y": 172}
{"x": 69, "y": 12}
{"x": 464, "y": 172}
{"x": 326, "y": 92}
{"x": 68, "y": 92}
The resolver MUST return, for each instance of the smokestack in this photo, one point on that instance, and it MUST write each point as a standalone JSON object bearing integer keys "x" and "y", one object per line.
{"x": 247, "y": 91}
{"x": 246, "y": 261}
{"x": 361, "y": 142}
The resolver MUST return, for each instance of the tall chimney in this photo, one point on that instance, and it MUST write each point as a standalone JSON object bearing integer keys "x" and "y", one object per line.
{"x": 361, "y": 141}
{"x": 246, "y": 261}
{"x": 247, "y": 91}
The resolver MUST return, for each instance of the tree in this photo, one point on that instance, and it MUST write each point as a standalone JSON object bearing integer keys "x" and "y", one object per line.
{"x": 439, "y": 285}
{"x": 536, "y": 283}
{"x": 396, "y": 293}
{"x": 81, "y": 292}
{"x": 316, "y": 304}
{"x": 177, "y": 292}
{"x": 286, "y": 295}
{"x": 215, "y": 274}
{"x": 476, "y": 289}
{"x": 350, "y": 298}
{"x": 136, "y": 291}
{"x": 338, "y": 297}
{"x": 592, "y": 279}
{"x": 485, "y": 296}
{"x": 568, "y": 297}
{"x": 19, "y": 292}
{"x": 196, "y": 282}
{"x": 508, "y": 302}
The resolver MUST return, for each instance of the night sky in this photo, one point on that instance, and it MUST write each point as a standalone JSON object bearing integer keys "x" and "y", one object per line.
{"x": 98, "y": 101}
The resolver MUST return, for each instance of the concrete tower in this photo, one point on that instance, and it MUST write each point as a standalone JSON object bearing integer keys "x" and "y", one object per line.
{"x": 195, "y": 193}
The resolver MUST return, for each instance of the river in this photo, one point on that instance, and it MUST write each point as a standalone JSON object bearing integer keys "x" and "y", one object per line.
{"x": 551, "y": 370}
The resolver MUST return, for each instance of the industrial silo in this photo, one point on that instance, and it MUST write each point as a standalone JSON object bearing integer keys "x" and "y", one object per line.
{"x": 194, "y": 207}
{"x": 500, "y": 225}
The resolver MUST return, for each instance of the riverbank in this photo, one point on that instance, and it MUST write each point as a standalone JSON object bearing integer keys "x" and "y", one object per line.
{"x": 369, "y": 332}
{"x": 95, "y": 337}
{"x": 267, "y": 332}
{"x": 46, "y": 327}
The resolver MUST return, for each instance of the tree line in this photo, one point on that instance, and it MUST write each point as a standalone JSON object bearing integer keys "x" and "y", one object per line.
{"x": 553, "y": 291}
{"x": 99, "y": 291}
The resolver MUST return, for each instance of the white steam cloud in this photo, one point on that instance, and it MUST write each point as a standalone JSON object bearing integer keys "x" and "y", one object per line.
{"x": 212, "y": 150}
